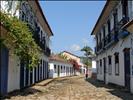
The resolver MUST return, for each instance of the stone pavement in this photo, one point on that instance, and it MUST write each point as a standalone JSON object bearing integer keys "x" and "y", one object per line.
{"x": 71, "y": 88}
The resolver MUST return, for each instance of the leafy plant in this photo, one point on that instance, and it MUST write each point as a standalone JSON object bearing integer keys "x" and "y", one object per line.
{"x": 88, "y": 52}
{"x": 20, "y": 38}
{"x": 1, "y": 41}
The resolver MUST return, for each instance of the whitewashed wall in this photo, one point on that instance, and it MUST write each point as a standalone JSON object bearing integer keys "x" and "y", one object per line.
{"x": 126, "y": 43}
{"x": 52, "y": 73}
{"x": 93, "y": 66}
{"x": 117, "y": 79}
{"x": 14, "y": 63}
{"x": 13, "y": 73}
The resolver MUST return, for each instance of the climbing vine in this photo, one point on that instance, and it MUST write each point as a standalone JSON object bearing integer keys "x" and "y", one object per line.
{"x": 20, "y": 38}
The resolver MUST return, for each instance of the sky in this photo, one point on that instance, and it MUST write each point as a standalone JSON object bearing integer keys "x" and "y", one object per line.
{"x": 72, "y": 23}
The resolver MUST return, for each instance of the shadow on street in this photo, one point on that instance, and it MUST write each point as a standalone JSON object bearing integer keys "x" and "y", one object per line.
{"x": 116, "y": 90}
{"x": 23, "y": 92}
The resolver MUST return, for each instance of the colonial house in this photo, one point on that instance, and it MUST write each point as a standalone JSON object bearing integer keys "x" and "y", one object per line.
{"x": 114, "y": 43}
{"x": 77, "y": 59}
{"x": 59, "y": 67}
{"x": 13, "y": 73}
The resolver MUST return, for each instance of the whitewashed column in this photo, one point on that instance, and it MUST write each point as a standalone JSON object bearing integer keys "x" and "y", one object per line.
{"x": 37, "y": 73}
{"x": 33, "y": 76}
{"x": 42, "y": 69}
{"x": 24, "y": 76}
{"x": 29, "y": 77}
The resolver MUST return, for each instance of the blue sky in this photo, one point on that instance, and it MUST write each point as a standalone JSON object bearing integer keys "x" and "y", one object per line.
{"x": 72, "y": 23}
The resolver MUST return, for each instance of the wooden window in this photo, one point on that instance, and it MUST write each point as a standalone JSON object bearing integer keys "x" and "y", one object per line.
{"x": 41, "y": 35}
{"x": 110, "y": 65}
{"x": 125, "y": 8}
{"x": 61, "y": 69}
{"x": 100, "y": 37}
{"x": 97, "y": 39}
{"x": 116, "y": 63}
{"x": 104, "y": 32}
{"x": 115, "y": 17}
{"x": 109, "y": 60}
{"x": 23, "y": 16}
{"x": 64, "y": 69}
{"x": 100, "y": 66}
{"x": 109, "y": 29}
{"x": 55, "y": 70}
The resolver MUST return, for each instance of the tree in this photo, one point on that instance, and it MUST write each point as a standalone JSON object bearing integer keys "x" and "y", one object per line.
{"x": 88, "y": 52}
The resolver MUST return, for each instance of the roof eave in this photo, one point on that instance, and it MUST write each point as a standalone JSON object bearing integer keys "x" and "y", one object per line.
{"x": 44, "y": 17}
{"x": 92, "y": 33}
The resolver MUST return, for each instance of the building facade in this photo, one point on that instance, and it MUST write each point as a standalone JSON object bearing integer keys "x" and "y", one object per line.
{"x": 59, "y": 67}
{"x": 77, "y": 59}
{"x": 13, "y": 73}
{"x": 114, "y": 51}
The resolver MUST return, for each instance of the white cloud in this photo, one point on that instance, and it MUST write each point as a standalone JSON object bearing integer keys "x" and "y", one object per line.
{"x": 75, "y": 47}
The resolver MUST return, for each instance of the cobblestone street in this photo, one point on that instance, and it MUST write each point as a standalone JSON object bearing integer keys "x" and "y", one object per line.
{"x": 71, "y": 88}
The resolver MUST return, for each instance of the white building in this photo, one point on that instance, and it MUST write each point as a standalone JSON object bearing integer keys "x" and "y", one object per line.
{"x": 82, "y": 67}
{"x": 114, "y": 44}
{"x": 13, "y": 73}
{"x": 58, "y": 67}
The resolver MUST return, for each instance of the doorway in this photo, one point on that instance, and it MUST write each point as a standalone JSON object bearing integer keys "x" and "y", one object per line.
{"x": 104, "y": 68}
{"x": 4, "y": 57}
{"x": 127, "y": 67}
{"x": 58, "y": 71}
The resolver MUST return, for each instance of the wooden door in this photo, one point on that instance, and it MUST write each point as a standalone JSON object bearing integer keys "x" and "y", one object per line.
{"x": 127, "y": 67}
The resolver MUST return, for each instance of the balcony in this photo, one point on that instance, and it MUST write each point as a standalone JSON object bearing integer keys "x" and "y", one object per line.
{"x": 122, "y": 22}
{"x": 113, "y": 36}
{"x": 99, "y": 48}
{"x": 123, "y": 34}
{"x": 36, "y": 37}
{"x": 109, "y": 40}
{"x": 41, "y": 43}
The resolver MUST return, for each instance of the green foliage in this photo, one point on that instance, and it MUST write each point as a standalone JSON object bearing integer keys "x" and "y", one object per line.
{"x": 20, "y": 39}
{"x": 88, "y": 64}
{"x": 87, "y": 61}
{"x": 88, "y": 51}
{"x": 1, "y": 41}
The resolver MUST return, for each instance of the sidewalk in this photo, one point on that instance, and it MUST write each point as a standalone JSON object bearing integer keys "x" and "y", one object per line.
{"x": 29, "y": 90}
{"x": 44, "y": 82}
